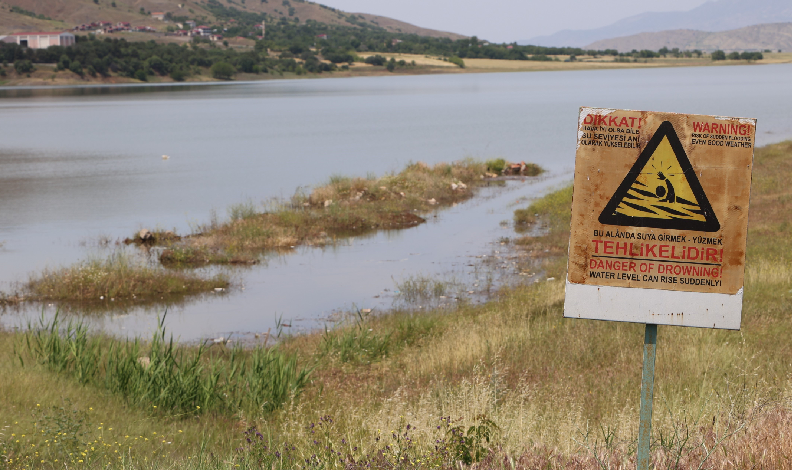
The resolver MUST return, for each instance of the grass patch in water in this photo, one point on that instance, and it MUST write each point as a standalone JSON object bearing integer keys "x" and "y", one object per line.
{"x": 343, "y": 207}
{"x": 119, "y": 276}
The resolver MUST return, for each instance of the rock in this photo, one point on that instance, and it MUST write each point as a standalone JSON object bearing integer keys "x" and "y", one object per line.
{"x": 365, "y": 310}
{"x": 328, "y": 202}
{"x": 218, "y": 340}
{"x": 218, "y": 289}
{"x": 145, "y": 234}
{"x": 402, "y": 195}
{"x": 165, "y": 157}
{"x": 144, "y": 361}
{"x": 462, "y": 186}
{"x": 454, "y": 186}
{"x": 432, "y": 201}
{"x": 491, "y": 175}
{"x": 383, "y": 188}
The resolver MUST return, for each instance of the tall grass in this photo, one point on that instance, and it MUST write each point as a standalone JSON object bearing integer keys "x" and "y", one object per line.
{"x": 119, "y": 276}
{"x": 164, "y": 376}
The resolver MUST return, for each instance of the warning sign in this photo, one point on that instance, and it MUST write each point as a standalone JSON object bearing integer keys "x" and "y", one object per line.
{"x": 661, "y": 190}
{"x": 660, "y": 209}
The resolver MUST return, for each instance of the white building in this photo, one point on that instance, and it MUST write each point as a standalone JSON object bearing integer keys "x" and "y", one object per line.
{"x": 41, "y": 40}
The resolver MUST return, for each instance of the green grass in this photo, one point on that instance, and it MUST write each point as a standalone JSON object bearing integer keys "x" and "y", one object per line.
{"x": 343, "y": 207}
{"x": 119, "y": 277}
{"x": 160, "y": 375}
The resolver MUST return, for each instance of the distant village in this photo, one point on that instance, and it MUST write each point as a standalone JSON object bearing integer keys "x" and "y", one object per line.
{"x": 187, "y": 28}
{"x": 42, "y": 40}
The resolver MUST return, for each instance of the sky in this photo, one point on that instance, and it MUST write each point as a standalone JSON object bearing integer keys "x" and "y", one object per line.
{"x": 509, "y": 20}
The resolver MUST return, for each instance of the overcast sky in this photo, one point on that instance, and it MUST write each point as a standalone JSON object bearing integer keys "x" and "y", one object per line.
{"x": 509, "y": 20}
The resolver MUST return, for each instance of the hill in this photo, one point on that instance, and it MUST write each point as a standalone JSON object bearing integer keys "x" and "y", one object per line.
{"x": 719, "y": 15}
{"x": 64, "y": 14}
{"x": 761, "y": 37}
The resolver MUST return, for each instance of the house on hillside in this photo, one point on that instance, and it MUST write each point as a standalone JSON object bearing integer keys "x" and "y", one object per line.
{"x": 41, "y": 40}
{"x": 158, "y": 15}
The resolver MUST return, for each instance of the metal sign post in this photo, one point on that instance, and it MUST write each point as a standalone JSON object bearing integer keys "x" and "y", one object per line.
{"x": 647, "y": 395}
{"x": 659, "y": 226}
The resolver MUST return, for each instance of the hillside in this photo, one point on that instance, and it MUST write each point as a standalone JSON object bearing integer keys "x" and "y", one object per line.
{"x": 721, "y": 15}
{"x": 773, "y": 36}
{"x": 68, "y": 13}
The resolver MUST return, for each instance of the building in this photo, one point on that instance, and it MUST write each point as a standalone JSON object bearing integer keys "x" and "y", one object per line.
{"x": 159, "y": 15}
{"x": 41, "y": 40}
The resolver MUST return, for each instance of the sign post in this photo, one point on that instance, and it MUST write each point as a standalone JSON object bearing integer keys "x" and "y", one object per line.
{"x": 647, "y": 395}
{"x": 659, "y": 225}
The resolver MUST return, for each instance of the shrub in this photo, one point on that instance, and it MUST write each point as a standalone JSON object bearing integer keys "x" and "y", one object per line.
{"x": 178, "y": 75}
{"x": 375, "y": 60}
{"x": 457, "y": 61}
{"x": 76, "y": 67}
{"x": 23, "y": 66}
{"x": 496, "y": 166}
{"x": 223, "y": 70}
{"x": 719, "y": 55}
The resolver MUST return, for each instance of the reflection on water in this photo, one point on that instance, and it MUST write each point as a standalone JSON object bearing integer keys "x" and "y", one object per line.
{"x": 81, "y": 163}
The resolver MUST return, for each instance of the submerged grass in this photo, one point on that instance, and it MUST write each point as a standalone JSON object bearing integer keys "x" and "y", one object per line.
{"x": 343, "y": 207}
{"x": 119, "y": 276}
{"x": 508, "y": 384}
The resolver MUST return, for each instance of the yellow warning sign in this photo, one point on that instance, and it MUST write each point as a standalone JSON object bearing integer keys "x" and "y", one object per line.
{"x": 661, "y": 190}
{"x": 660, "y": 201}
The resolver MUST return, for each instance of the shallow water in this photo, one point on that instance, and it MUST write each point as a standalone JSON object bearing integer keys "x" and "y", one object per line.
{"x": 79, "y": 163}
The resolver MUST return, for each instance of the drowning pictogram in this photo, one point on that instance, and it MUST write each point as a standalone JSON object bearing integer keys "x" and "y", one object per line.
{"x": 661, "y": 190}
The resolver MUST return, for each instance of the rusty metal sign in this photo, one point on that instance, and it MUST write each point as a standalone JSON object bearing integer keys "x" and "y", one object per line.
{"x": 659, "y": 218}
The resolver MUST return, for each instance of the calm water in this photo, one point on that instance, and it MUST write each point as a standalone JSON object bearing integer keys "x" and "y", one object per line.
{"x": 76, "y": 164}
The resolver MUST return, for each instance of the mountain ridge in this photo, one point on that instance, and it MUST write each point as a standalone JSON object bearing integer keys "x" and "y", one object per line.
{"x": 712, "y": 16}
{"x": 773, "y": 36}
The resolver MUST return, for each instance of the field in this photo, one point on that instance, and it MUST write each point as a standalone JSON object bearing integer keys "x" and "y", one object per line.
{"x": 507, "y": 384}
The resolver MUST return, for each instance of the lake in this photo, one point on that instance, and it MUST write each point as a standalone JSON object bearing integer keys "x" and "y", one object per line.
{"x": 81, "y": 163}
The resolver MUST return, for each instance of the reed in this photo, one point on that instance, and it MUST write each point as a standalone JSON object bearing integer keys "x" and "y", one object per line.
{"x": 163, "y": 376}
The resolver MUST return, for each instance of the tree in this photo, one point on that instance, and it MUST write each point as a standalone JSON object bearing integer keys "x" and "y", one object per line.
{"x": 76, "y": 67}
{"x": 23, "y": 66}
{"x": 734, "y": 55}
{"x": 375, "y": 60}
{"x": 156, "y": 64}
{"x": 223, "y": 70}
{"x": 719, "y": 55}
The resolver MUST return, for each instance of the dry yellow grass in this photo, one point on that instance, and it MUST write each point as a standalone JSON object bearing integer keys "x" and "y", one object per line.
{"x": 431, "y": 61}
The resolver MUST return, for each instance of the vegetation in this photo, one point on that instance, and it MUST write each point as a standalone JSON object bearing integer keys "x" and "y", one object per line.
{"x": 720, "y": 55}
{"x": 343, "y": 207}
{"x": 162, "y": 375}
{"x": 507, "y": 384}
{"x": 118, "y": 277}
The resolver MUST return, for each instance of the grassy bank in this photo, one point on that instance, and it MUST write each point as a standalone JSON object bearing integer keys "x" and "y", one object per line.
{"x": 341, "y": 208}
{"x": 118, "y": 277}
{"x": 509, "y": 383}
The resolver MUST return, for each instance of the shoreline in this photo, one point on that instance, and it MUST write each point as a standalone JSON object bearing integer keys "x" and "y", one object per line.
{"x": 47, "y": 78}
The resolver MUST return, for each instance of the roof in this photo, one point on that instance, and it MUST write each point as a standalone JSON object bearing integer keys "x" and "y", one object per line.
{"x": 39, "y": 33}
